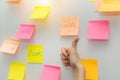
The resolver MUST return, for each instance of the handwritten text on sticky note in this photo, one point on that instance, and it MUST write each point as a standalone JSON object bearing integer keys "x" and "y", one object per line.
{"x": 10, "y": 45}
{"x": 35, "y": 54}
{"x": 70, "y": 26}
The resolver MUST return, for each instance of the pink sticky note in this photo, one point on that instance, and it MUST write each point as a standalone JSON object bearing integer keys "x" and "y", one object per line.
{"x": 50, "y": 73}
{"x": 69, "y": 26}
{"x": 25, "y": 31}
{"x": 98, "y": 29}
{"x": 10, "y": 46}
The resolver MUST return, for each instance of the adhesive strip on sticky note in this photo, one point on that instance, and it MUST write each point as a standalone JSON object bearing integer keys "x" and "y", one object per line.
{"x": 98, "y": 29}
{"x": 25, "y": 31}
{"x": 35, "y": 54}
{"x": 110, "y": 6}
{"x": 69, "y": 26}
{"x": 40, "y": 13}
{"x": 17, "y": 71}
{"x": 92, "y": 0}
{"x": 91, "y": 67}
{"x": 13, "y": 1}
{"x": 50, "y": 73}
{"x": 10, "y": 46}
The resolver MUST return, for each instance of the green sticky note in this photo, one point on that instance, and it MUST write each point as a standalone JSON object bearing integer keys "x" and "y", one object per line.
{"x": 92, "y": 0}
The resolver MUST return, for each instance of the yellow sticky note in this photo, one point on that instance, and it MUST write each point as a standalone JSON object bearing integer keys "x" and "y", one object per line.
{"x": 91, "y": 0}
{"x": 91, "y": 67}
{"x": 40, "y": 13}
{"x": 17, "y": 71}
{"x": 10, "y": 46}
{"x": 35, "y": 54}
{"x": 13, "y": 1}
{"x": 110, "y": 6}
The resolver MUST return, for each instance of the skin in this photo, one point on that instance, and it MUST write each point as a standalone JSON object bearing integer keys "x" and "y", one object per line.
{"x": 70, "y": 57}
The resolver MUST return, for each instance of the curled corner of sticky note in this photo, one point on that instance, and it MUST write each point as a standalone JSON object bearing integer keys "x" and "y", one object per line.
{"x": 13, "y": 1}
{"x": 40, "y": 13}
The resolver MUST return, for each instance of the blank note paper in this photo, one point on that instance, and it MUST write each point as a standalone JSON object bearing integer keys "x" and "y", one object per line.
{"x": 13, "y": 1}
{"x": 91, "y": 0}
{"x": 69, "y": 26}
{"x": 35, "y": 54}
{"x": 50, "y": 73}
{"x": 98, "y": 29}
{"x": 91, "y": 67}
{"x": 10, "y": 46}
{"x": 25, "y": 31}
{"x": 17, "y": 71}
{"x": 40, "y": 13}
{"x": 110, "y": 6}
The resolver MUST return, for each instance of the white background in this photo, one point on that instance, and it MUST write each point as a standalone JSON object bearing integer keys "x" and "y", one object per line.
{"x": 47, "y": 33}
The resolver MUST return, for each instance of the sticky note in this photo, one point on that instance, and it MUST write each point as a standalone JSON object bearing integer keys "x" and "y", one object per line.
{"x": 25, "y": 31}
{"x": 17, "y": 71}
{"x": 10, "y": 46}
{"x": 92, "y": 0}
{"x": 50, "y": 73}
{"x": 91, "y": 67}
{"x": 98, "y": 29}
{"x": 13, "y": 1}
{"x": 69, "y": 26}
{"x": 110, "y": 6}
{"x": 40, "y": 13}
{"x": 35, "y": 54}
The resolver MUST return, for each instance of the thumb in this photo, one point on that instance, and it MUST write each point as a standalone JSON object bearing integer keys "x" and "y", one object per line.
{"x": 74, "y": 43}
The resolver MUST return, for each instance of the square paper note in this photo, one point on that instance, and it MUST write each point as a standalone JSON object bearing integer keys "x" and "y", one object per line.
{"x": 35, "y": 54}
{"x": 109, "y": 6}
{"x": 91, "y": 67}
{"x": 25, "y": 31}
{"x": 50, "y": 73}
{"x": 40, "y": 13}
{"x": 10, "y": 46}
{"x": 69, "y": 26}
{"x": 98, "y": 29}
{"x": 17, "y": 71}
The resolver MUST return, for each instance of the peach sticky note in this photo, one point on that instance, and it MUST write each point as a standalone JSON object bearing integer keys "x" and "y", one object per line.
{"x": 40, "y": 13}
{"x": 69, "y": 26}
{"x": 13, "y": 1}
{"x": 110, "y": 6}
{"x": 25, "y": 31}
{"x": 35, "y": 54}
{"x": 50, "y": 73}
{"x": 98, "y": 29}
{"x": 17, "y": 71}
{"x": 10, "y": 46}
{"x": 91, "y": 67}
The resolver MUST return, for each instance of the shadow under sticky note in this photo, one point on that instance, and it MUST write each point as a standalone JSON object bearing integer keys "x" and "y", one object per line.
{"x": 13, "y": 1}
{"x": 17, "y": 71}
{"x": 109, "y": 6}
{"x": 25, "y": 31}
{"x": 69, "y": 26}
{"x": 35, "y": 54}
{"x": 98, "y": 29}
{"x": 40, "y": 13}
{"x": 50, "y": 73}
{"x": 91, "y": 67}
{"x": 10, "y": 46}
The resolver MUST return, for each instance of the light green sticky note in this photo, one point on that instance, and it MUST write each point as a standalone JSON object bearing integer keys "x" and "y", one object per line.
{"x": 35, "y": 54}
{"x": 92, "y": 0}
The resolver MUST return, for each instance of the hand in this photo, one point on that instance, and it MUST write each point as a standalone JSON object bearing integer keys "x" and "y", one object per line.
{"x": 70, "y": 57}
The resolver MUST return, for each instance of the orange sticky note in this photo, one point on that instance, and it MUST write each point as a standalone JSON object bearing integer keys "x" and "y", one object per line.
{"x": 91, "y": 67}
{"x": 109, "y": 6}
{"x": 10, "y": 46}
{"x": 13, "y": 1}
{"x": 69, "y": 26}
